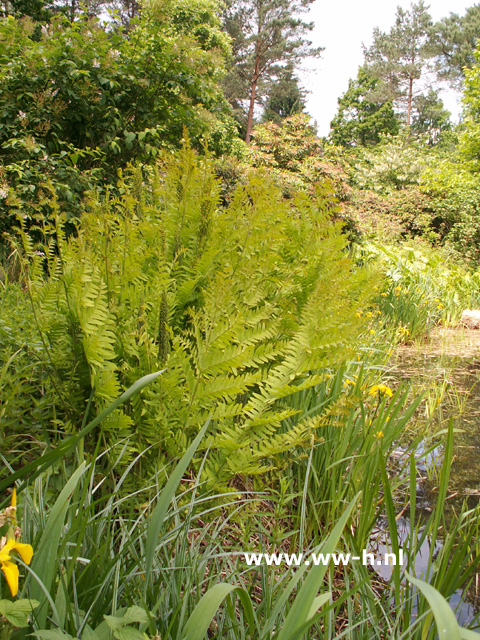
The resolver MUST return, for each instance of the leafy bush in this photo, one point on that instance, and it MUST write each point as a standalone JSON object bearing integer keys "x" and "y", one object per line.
{"x": 396, "y": 163}
{"x": 243, "y": 306}
{"x": 395, "y": 216}
{"x": 455, "y": 194}
{"x": 295, "y": 156}
{"x": 81, "y": 101}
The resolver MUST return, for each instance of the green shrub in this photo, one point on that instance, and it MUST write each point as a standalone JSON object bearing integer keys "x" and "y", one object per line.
{"x": 294, "y": 154}
{"x": 396, "y": 163}
{"x": 244, "y": 307}
{"x": 395, "y": 216}
{"x": 80, "y": 101}
{"x": 455, "y": 194}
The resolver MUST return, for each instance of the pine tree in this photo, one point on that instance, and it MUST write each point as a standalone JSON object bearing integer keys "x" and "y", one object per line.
{"x": 453, "y": 41}
{"x": 398, "y": 59}
{"x": 267, "y": 35}
{"x": 286, "y": 98}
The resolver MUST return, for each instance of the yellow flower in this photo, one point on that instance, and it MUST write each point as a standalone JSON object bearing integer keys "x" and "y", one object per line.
{"x": 379, "y": 434}
{"x": 440, "y": 306}
{"x": 384, "y": 295}
{"x": 381, "y": 389}
{"x": 8, "y": 567}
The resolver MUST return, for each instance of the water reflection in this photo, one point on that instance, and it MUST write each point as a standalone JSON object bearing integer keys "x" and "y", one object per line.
{"x": 419, "y": 565}
{"x": 446, "y": 369}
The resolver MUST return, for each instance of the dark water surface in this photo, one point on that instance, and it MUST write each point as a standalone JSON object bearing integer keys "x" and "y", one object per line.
{"x": 445, "y": 368}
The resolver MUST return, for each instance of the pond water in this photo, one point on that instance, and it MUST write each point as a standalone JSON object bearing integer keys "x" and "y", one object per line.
{"x": 465, "y": 611}
{"x": 445, "y": 368}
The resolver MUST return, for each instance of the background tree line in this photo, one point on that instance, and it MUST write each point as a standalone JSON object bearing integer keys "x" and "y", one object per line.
{"x": 398, "y": 82}
{"x": 87, "y": 89}
{"x": 401, "y": 76}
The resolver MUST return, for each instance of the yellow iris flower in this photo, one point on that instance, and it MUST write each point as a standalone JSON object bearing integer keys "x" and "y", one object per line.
{"x": 381, "y": 389}
{"x": 8, "y": 567}
{"x": 10, "y": 544}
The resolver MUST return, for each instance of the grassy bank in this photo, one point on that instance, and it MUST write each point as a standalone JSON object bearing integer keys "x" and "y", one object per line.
{"x": 271, "y": 427}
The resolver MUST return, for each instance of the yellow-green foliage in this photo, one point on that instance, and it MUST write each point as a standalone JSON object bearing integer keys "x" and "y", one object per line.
{"x": 243, "y": 307}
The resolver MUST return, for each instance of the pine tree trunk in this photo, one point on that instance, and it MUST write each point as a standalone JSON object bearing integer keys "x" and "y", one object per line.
{"x": 250, "y": 114}
{"x": 253, "y": 95}
{"x": 409, "y": 103}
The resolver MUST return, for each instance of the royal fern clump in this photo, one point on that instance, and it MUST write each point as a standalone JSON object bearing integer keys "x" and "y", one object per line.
{"x": 242, "y": 306}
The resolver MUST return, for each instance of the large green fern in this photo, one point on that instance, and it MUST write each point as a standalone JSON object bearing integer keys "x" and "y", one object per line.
{"x": 244, "y": 306}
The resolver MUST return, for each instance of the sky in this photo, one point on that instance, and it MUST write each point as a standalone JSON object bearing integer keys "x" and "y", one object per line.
{"x": 341, "y": 26}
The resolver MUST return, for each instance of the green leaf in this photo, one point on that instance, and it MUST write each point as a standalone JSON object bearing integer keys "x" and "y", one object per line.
{"x": 447, "y": 625}
{"x": 135, "y": 614}
{"x": 129, "y": 138}
{"x": 24, "y": 605}
{"x": 114, "y": 622}
{"x": 45, "y": 559}
{"x": 201, "y": 617}
{"x": 17, "y": 611}
{"x": 129, "y": 633}
{"x": 52, "y": 634}
{"x": 318, "y": 603}
{"x": 89, "y": 634}
{"x": 158, "y": 515}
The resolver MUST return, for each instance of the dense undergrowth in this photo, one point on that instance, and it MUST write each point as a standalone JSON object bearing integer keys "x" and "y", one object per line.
{"x": 195, "y": 340}
{"x": 271, "y": 334}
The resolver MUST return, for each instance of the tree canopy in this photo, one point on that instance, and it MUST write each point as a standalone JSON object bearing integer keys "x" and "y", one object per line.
{"x": 399, "y": 58}
{"x": 267, "y": 36}
{"x": 286, "y": 97}
{"x": 454, "y": 39}
{"x": 361, "y": 119}
{"x": 83, "y": 99}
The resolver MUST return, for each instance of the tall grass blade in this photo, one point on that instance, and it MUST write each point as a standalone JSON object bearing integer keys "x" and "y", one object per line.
{"x": 67, "y": 445}
{"x": 447, "y": 625}
{"x": 45, "y": 555}
{"x": 301, "y": 610}
{"x": 392, "y": 524}
{"x": 158, "y": 514}
{"x": 468, "y": 634}
{"x": 201, "y": 617}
